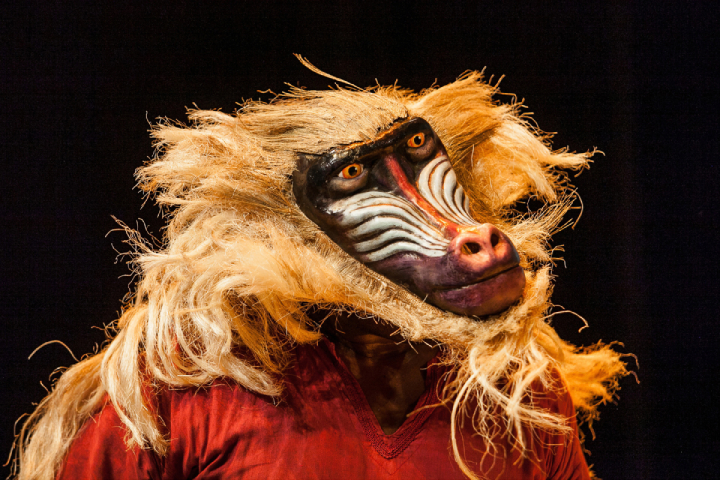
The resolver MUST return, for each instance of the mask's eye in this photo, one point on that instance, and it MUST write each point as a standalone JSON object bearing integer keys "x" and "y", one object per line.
{"x": 351, "y": 171}
{"x": 417, "y": 140}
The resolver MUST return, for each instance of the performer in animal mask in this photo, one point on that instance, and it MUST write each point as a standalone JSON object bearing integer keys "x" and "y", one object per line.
{"x": 346, "y": 290}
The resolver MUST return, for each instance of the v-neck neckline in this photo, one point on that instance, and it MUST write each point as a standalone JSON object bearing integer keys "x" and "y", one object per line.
{"x": 387, "y": 446}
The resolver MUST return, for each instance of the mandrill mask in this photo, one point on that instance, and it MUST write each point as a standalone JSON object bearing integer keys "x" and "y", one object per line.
{"x": 394, "y": 204}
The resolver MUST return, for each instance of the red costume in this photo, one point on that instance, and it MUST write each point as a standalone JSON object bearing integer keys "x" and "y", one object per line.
{"x": 323, "y": 428}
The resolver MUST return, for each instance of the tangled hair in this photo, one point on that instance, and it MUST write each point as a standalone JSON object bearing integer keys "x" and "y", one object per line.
{"x": 240, "y": 264}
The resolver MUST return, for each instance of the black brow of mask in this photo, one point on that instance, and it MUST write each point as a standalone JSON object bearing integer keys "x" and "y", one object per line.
{"x": 337, "y": 157}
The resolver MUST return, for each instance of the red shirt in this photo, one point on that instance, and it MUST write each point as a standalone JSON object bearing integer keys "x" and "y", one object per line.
{"x": 323, "y": 428}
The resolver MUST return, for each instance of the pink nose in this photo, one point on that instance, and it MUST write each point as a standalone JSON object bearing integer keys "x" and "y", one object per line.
{"x": 483, "y": 249}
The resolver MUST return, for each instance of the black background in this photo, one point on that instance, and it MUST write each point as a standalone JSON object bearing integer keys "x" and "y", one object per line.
{"x": 80, "y": 82}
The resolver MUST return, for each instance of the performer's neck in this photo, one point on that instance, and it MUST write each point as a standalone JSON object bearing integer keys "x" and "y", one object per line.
{"x": 389, "y": 369}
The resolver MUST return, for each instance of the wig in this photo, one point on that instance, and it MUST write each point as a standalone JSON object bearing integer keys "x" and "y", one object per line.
{"x": 227, "y": 292}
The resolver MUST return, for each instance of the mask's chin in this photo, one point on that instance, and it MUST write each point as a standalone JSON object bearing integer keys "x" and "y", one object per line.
{"x": 440, "y": 282}
{"x": 464, "y": 322}
{"x": 486, "y": 297}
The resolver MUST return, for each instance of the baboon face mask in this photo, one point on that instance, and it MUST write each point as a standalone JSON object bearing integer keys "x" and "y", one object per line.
{"x": 394, "y": 204}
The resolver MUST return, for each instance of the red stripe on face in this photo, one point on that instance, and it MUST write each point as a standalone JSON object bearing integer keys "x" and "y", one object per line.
{"x": 411, "y": 194}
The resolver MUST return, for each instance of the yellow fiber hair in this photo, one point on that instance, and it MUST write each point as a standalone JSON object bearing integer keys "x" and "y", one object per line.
{"x": 240, "y": 264}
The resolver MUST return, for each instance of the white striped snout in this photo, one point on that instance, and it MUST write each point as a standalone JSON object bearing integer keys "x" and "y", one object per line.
{"x": 381, "y": 224}
{"x": 437, "y": 183}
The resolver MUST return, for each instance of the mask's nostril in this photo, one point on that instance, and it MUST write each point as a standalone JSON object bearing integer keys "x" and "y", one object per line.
{"x": 494, "y": 239}
{"x": 470, "y": 248}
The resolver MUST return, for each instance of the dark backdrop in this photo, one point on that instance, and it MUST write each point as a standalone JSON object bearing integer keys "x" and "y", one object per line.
{"x": 81, "y": 83}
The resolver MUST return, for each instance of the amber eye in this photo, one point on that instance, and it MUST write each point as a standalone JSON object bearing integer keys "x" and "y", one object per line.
{"x": 351, "y": 171}
{"x": 417, "y": 140}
